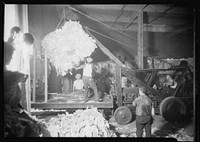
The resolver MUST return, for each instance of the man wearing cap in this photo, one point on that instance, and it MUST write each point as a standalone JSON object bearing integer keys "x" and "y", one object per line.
{"x": 88, "y": 81}
{"x": 144, "y": 113}
{"x": 78, "y": 83}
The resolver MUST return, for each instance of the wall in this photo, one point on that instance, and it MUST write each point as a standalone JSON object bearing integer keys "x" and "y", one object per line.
{"x": 15, "y": 15}
{"x": 42, "y": 20}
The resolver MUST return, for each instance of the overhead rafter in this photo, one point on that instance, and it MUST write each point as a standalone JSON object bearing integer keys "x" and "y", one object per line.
{"x": 170, "y": 7}
{"x": 146, "y": 27}
{"x": 133, "y": 17}
{"x": 120, "y": 13}
{"x": 157, "y": 28}
{"x": 179, "y": 30}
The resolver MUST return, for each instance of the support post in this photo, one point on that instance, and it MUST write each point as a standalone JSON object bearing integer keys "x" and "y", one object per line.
{"x": 119, "y": 86}
{"x": 46, "y": 81}
{"x": 34, "y": 76}
{"x": 26, "y": 66}
{"x": 140, "y": 40}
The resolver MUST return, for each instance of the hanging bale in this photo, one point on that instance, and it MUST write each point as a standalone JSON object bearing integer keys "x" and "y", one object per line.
{"x": 68, "y": 46}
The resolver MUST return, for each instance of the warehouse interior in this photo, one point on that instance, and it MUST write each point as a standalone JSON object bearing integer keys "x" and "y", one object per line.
{"x": 134, "y": 32}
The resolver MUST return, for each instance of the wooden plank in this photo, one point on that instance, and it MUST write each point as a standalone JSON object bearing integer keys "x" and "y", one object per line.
{"x": 146, "y": 27}
{"x": 157, "y": 28}
{"x": 28, "y": 88}
{"x": 133, "y": 17}
{"x": 34, "y": 76}
{"x": 119, "y": 86}
{"x": 179, "y": 30}
{"x": 46, "y": 80}
{"x": 140, "y": 40}
{"x": 120, "y": 13}
{"x": 70, "y": 105}
{"x": 105, "y": 50}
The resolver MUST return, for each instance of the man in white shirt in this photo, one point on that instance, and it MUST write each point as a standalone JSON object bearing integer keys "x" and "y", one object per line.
{"x": 78, "y": 83}
{"x": 15, "y": 39}
{"x": 88, "y": 81}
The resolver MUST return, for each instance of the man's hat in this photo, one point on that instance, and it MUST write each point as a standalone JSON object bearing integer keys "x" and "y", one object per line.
{"x": 77, "y": 76}
{"x": 89, "y": 59}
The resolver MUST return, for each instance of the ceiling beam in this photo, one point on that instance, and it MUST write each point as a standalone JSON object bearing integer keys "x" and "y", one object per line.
{"x": 110, "y": 16}
{"x": 120, "y": 13}
{"x": 164, "y": 12}
{"x": 146, "y": 27}
{"x": 136, "y": 8}
{"x": 179, "y": 30}
{"x": 133, "y": 17}
{"x": 158, "y": 28}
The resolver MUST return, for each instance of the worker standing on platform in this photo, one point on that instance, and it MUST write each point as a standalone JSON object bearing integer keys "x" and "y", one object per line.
{"x": 144, "y": 113}
{"x": 15, "y": 39}
{"x": 17, "y": 122}
{"x": 78, "y": 83}
{"x": 88, "y": 81}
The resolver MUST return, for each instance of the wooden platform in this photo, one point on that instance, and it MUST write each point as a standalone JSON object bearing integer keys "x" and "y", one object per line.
{"x": 73, "y": 100}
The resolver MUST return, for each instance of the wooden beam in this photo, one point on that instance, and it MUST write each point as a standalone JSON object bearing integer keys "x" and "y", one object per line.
{"x": 140, "y": 40}
{"x": 164, "y": 12}
{"x": 119, "y": 86}
{"x": 146, "y": 27}
{"x": 58, "y": 105}
{"x": 105, "y": 50}
{"x": 102, "y": 6}
{"x": 46, "y": 78}
{"x": 157, "y": 28}
{"x": 134, "y": 8}
{"x": 133, "y": 17}
{"x": 120, "y": 13}
{"x": 179, "y": 30}
{"x": 34, "y": 76}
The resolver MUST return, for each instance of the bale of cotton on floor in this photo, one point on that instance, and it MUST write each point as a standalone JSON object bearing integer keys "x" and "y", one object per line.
{"x": 83, "y": 123}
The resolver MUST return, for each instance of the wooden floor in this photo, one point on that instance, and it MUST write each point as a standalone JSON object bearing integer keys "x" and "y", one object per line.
{"x": 73, "y": 100}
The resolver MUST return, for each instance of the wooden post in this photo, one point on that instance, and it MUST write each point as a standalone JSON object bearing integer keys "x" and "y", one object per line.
{"x": 27, "y": 59}
{"x": 119, "y": 86}
{"x": 46, "y": 80}
{"x": 34, "y": 76}
{"x": 28, "y": 86}
{"x": 140, "y": 39}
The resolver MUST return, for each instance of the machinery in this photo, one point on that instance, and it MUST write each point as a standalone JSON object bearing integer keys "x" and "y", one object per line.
{"x": 173, "y": 104}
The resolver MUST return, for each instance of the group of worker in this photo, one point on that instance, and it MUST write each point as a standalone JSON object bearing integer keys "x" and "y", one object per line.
{"x": 87, "y": 81}
{"x": 144, "y": 108}
{"x": 16, "y": 57}
{"x": 16, "y": 70}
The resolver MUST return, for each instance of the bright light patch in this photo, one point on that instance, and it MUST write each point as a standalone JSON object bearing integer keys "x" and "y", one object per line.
{"x": 68, "y": 46}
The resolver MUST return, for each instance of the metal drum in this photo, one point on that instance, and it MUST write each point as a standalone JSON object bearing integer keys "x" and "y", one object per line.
{"x": 123, "y": 115}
